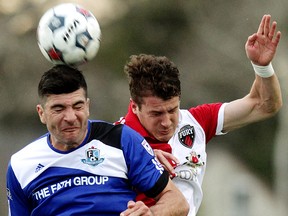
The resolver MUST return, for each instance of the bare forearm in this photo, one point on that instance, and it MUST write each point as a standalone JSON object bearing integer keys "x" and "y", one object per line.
{"x": 263, "y": 101}
{"x": 172, "y": 202}
{"x": 169, "y": 210}
{"x": 268, "y": 94}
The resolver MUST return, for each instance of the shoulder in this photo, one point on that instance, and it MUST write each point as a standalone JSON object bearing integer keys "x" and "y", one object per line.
{"x": 112, "y": 134}
{"x": 33, "y": 147}
{"x": 22, "y": 162}
{"x": 206, "y": 112}
{"x": 100, "y": 128}
{"x": 205, "y": 108}
{"x": 210, "y": 117}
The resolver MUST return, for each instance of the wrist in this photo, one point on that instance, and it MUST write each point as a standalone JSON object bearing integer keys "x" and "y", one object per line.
{"x": 263, "y": 71}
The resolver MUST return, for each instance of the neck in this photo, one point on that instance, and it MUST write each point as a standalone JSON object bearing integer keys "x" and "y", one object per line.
{"x": 65, "y": 147}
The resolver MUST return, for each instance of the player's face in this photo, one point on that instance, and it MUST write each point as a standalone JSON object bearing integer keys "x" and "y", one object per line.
{"x": 160, "y": 118}
{"x": 66, "y": 118}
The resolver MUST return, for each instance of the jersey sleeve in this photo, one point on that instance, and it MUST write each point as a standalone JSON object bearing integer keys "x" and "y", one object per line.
{"x": 17, "y": 201}
{"x": 210, "y": 118}
{"x": 145, "y": 173}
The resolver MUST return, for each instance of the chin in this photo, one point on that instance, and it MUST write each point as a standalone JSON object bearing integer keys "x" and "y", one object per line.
{"x": 163, "y": 138}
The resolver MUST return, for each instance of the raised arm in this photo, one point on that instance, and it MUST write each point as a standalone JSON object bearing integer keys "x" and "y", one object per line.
{"x": 264, "y": 99}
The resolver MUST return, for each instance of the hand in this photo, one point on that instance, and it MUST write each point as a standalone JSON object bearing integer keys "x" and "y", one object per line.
{"x": 136, "y": 209}
{"x": 168, "y": 161}
{"x": 261, "y": 46}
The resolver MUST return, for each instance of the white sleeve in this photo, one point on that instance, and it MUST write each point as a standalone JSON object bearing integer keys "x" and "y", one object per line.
{"x": 220, "y": 122}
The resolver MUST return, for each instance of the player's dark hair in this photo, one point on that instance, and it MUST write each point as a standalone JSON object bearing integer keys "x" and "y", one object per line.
{"x": 61, "y": 79}
{"x": 150, "y": 75}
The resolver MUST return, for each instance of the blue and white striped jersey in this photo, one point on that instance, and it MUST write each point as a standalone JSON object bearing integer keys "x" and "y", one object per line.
{"x": 97, "y": 178}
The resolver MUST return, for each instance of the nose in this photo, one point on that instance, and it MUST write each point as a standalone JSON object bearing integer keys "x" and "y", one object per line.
{"x": 166, "y": 121}
{"x": 70, "y": 115}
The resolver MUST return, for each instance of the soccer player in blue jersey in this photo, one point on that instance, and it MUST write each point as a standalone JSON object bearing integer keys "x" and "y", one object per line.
{"x": 82, "y": 166}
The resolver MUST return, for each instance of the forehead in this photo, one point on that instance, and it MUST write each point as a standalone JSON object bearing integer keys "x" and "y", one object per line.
{"x": 66, "y": 99}
{"x": 152, "y": 103}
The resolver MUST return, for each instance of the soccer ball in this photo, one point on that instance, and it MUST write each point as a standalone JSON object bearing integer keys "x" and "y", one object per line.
{"x": 68, "y": 34}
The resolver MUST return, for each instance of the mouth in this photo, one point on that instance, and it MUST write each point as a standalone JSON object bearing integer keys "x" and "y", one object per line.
{"x": 165, "y": 132}
{"x": 70, "y": 129}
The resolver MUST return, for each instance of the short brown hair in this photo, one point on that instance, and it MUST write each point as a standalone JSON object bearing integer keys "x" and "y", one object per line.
{"x": 150, "y": 75}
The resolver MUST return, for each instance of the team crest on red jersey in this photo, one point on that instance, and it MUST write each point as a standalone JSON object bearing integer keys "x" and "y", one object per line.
{"x": 186, "y": 136}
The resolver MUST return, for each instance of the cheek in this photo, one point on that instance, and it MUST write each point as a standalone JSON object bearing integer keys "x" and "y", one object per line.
{"x": 175, "y": 119}
{"x": 53, "y": 121}
{"x": 151, "y": 123}
{"x": 83, "y": 116}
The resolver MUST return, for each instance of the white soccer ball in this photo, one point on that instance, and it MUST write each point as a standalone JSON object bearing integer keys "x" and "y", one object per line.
{"x": 68, "y": 34}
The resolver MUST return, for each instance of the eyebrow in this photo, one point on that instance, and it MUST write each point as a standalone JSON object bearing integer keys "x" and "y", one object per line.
{"x": 62, "y": 105}
{"x": 161, "y": 111}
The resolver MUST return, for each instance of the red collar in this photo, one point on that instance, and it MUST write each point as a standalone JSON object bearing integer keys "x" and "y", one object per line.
{"x": 132, "y": 121}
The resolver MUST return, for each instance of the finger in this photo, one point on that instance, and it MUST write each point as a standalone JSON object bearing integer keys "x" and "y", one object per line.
{"x": 277, "y": 38}
{"x": 169, "y": 168}
{"x": 272, "y": 30}
{"x": 267, "y": 25}
{"x": 165, "y": 156}
{"x": 130, "y": 208}
{"x": 261, "y": 25}
{"x": 165, "y": 163}
{"x": 139, "y": 209}
{"x": 142, "y": 210}
{"x": 171, "y": 157}
{"x": 251, "y": 39}
{"x": 131, "y": 204}
{"x": 168, "y": 160}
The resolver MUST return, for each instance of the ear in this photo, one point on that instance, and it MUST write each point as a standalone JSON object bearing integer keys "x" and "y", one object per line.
{"x": 134, "y": 106}
{"x": 88, "y": 106}
{"x": 40, "y": 112}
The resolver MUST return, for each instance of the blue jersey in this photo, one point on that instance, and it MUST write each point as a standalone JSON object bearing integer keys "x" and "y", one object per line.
{"x": 97, "y": 178}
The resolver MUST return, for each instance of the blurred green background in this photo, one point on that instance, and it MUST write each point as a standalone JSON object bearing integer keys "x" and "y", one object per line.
{"x": 205, "y": 39}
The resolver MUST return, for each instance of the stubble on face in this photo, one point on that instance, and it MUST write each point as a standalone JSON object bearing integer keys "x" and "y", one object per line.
{"x": 160, "y": 118}
{"x": 66, "y": 118}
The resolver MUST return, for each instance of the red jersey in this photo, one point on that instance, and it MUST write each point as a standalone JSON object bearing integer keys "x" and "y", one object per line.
{"x": 196, "y": 127}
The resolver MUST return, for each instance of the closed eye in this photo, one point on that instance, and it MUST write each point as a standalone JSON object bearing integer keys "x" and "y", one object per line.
{"x": 172, "y": 111}
{"x": 156, "y": 113}
{"x": 57, "y": 108}
{"x": 79, "y": 105}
